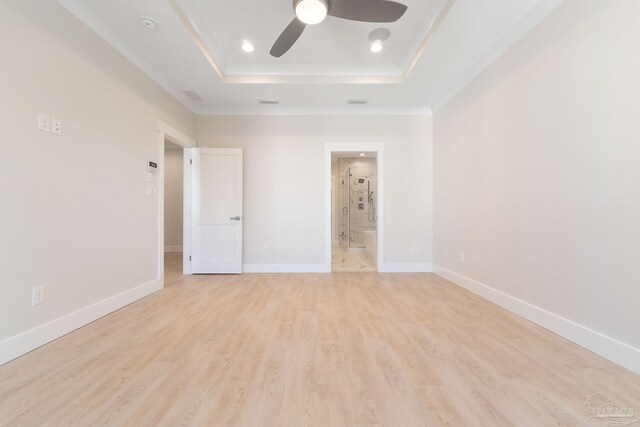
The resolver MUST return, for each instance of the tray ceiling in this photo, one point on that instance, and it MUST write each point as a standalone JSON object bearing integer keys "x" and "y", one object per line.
{"x": 433, "y": 51}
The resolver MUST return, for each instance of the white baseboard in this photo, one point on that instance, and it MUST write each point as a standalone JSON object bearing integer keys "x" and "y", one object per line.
{"x": 323, "y": 268}
{"x": 24, "y": 342}
{"x": 616, "y": 351}
{"x": 173, "y": 248}
{"x": 418, "y": 267}
{"x": 285, "y": 268}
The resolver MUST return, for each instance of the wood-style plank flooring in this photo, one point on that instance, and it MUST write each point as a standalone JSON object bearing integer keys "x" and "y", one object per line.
{"x": 320, "y": 350}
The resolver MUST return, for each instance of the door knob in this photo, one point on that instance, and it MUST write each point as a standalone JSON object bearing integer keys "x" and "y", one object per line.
{"x": 235, "y": 218}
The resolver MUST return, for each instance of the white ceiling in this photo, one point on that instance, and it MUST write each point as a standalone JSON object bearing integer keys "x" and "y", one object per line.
{"x": 434, "y": 50}
{"x": 341, "y": 44}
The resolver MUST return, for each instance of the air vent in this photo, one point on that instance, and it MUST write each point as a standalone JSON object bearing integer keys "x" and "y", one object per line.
{"x": 357, "y": 101}
{"x": 192, "y": 95}
{"x": 268, "y": 101}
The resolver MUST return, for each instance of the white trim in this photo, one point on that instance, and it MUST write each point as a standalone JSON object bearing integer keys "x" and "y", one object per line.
{"x": 81, "y": 12}
{"x": 616, "y": 351}
{"x": 285, "y": 268}
{"x": 186, "y": 211}
{"x": 172, "y": 249}
{"x": 27, "y": 341}
{"x": 168, "y": 132}
{"x": 435, "y": 26}
{"x": 418, "y": 267}
{"x": 271, "y": 110}
{"x": 329, "y": 148}
{"x": 533, "y": 18}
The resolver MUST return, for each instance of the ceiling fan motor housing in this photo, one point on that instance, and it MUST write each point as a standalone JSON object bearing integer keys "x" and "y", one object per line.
{"x": 326, "y": 3}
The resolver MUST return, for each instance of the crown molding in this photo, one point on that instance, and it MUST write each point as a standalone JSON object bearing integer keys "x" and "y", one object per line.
{"x": 97, "y": 26}
{"x": 314, "y": 111}
{"x": 533, "y": 18}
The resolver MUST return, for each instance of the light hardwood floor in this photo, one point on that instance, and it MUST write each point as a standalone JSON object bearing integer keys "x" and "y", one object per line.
{"x": 322, "y": 350}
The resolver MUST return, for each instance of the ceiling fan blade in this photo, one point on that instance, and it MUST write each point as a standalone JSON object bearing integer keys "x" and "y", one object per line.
{"x": 367, "y": 10}
{"x": 288, "y": 38}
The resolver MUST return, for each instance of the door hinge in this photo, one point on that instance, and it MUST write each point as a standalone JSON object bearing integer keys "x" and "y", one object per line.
{"x": 190, "y": 161}
{"x": 189, "y": 258}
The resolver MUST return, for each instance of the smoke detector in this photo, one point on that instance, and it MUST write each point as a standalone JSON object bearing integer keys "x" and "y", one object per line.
{"x": 149, "y": 23}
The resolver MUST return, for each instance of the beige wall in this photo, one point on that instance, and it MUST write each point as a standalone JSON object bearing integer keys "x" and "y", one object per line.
{"x": 173, "y": 197}
{"x": 75, "y": 216}
{"x": 284, "y": 181}
{"x": 537, "y": 176}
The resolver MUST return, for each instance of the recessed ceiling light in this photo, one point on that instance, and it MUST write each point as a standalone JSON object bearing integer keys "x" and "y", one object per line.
{"x": 149, "y": 23}
{"x": 376, "y": 46}
{"x": 247, "y": 46}
{"x": 311, "y": 12}
{"x": 362, "y": 154}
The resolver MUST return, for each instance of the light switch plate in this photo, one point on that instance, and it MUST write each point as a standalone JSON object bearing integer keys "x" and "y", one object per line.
{"x": 37, "y": 295}
{"x": 44, "y": 123}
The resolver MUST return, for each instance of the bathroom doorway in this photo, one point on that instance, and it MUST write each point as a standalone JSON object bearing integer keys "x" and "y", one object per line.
{"x": 354, "y": 211}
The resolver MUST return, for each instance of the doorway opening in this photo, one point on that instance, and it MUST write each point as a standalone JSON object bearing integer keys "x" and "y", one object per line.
{"x": 168, "y": 134}
{"x": 355, "y": 210}
{"x": 355, "y": 238}
{"x": 173, "y": 209}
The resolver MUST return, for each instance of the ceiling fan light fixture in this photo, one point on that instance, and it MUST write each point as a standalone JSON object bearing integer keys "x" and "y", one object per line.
{"x": 312, "y": 12}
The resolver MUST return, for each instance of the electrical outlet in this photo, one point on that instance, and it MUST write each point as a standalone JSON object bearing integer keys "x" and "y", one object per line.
{"x": 414, "y": 250}
{"x": 463, "y": 259}
{"x": 56, "y": 127}
{"x": 265, "y": 250}
{"x": 37, "y": 295}
{"x": 44, "y": 123}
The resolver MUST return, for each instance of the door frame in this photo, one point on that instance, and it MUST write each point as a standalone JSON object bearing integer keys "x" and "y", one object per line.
{"x": 167, "y": 132}
{"x": 377, "y": 148}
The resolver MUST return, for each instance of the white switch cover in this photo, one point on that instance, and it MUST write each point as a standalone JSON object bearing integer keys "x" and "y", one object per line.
{"x": 44, "y": 123}
{"x": 56, "y": 126}
{"x": 37, "y": 295}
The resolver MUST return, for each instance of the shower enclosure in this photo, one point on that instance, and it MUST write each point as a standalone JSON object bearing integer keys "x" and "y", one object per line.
{"x": 357, "y": 186}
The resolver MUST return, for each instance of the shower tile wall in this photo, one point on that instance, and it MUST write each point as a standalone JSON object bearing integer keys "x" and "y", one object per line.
{"x": 361, "y": 217}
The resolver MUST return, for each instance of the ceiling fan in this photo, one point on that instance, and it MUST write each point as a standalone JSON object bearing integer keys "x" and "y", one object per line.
{"x": 311, "y": 12}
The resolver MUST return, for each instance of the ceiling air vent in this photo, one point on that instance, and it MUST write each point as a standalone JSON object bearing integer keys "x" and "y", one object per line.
{"x": 357, "y": 101}
{"x": 192, "y": 95}
{"x": 268, "y": 101}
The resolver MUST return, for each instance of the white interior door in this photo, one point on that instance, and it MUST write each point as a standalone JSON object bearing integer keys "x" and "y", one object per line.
{"x": 216, "y": 211}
